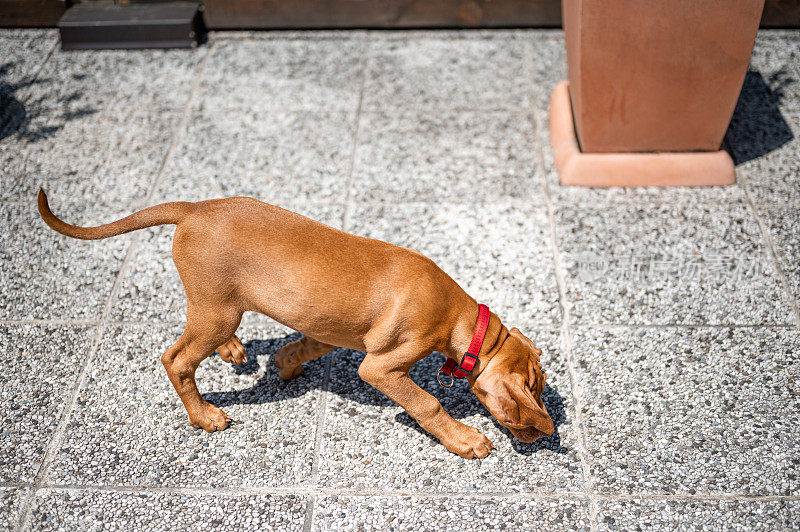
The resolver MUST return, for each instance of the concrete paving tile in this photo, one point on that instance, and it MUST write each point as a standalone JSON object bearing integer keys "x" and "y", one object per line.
{"x": 111, "y": 157}
{"x": 130, "y": 428}
{"x": 12, "y": 162}
{"x": 40, "y": 365}
{"x": 442, "y": 34}
{"x": 47, "y": 275}
{"x": 268, "y": 155}
{"x": 695, "y": 515}
{"x": 769, "y": 152}
{"x": 439, "y": 73}
{"x": 782, "y": 223}
{"x": 571, "y": 195}
{"x": 10, "y": 501}
{"x": 285, "y": 35}
{"x": 499, "y": 254}
{"x": 793, "y": 507}
{"x": 151, "y": 288}
{"x": 28, "y": 33}
{"x": 446, "y": 156}
{"x": 285, "y": 74}
{"x": 423, "y": 513}
{"x": 775, "y": 58}
{"x": 370, "y": 443}
{"x": 23, "y": 52}
{"x": 668, "y": 263}
{"x": 21, "y": 57}
{"x": 71, "y": 81}
{"x": 697, "y": 410}
{"x": 56, "y": 509}
{"x": 549, "y": 65}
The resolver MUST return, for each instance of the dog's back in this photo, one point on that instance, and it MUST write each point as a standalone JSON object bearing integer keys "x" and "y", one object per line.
{"x": 266, "y": 259}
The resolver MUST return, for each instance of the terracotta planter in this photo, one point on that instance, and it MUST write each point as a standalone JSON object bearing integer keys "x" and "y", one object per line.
{"x": 652, "y": 88}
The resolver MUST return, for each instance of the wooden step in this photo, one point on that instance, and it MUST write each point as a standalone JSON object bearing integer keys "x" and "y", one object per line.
{"x": 158, "y": 25}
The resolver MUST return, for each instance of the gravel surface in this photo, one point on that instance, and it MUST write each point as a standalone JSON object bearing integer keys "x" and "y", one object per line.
{"x": 668, "y": 318}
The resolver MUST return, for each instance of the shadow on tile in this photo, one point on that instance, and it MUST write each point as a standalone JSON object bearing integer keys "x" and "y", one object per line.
{"x": 458, "y": 401}
{"x": 32, "y": 121}
{"x": 552, "y": 401}
{"x": 757, "y": 126}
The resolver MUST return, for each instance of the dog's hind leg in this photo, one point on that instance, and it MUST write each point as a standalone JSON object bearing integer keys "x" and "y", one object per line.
{"x": 290, "y": 358}
{"x": 232, "y": 351}
{"x": 206, "y": 329}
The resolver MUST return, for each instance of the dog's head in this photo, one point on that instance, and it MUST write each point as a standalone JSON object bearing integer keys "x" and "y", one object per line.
{"x": 510, "y": 387}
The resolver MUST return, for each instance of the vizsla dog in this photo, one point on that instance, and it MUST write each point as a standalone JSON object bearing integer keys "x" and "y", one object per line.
{"x": 337, "y": 289}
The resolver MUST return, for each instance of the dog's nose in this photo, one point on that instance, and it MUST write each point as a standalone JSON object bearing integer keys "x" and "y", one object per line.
{"x": 551, "y": 428}
{"x": 529, "y": 435}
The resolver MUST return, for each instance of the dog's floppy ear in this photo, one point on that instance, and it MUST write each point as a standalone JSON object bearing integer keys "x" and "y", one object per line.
{"x": 512, "y": 403}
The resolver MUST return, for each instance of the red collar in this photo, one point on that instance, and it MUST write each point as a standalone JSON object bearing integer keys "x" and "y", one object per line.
{"x": 471, "y": 356}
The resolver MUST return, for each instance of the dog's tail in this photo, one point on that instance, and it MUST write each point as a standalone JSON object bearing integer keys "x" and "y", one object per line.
{"x": 166, "y": 213}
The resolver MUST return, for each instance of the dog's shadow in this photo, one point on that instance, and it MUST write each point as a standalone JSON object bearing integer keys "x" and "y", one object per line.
{"x": 458, "y": 401}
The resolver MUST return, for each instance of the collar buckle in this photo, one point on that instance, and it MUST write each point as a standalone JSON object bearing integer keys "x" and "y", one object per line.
{"x": 450, "y": 375}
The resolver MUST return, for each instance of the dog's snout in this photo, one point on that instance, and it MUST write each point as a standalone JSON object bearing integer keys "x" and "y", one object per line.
{"x": 529, "y": 435}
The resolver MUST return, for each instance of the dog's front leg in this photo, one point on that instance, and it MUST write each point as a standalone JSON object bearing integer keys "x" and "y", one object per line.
{"x": 382, "y": 372}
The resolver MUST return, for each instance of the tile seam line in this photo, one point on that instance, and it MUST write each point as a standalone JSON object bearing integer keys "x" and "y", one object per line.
{"x": 683, "y": 325}
{"x": 66, "y": 413}
{"x": 14, "y": 484}
{"x": 741, "y": 497}
{"x": 299, "y": 490}
{"x": 466, "y": 202}
{"x": 555, "y": 253}
{"x": 35, "y": 76}
{"x": 51, "y": 322}
{"x": 348, "y": 201}
{"x": 562, "y": 202}
{"x": 308, "y": 514}
{"x": 331, "y": 109}
{"x": 365, "y": 492}
{"x": 566, "y": 343}
{"x": 322, "y": 405}
{"x": 310, "y": 491}
{"x": 775, "y": 258}
{"x": 566, "y": 331}
{"x": 56, "y": 322}
{"x": 26, "y": 505}
{"x": 33, "y": 80}
{"x": 509, "y": 202}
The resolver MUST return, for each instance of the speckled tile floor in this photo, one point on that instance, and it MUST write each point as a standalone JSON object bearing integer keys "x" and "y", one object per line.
{"x": 668, "y": 317}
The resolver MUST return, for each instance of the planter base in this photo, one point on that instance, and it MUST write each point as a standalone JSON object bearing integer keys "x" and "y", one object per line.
{"x": 628, "y": 169}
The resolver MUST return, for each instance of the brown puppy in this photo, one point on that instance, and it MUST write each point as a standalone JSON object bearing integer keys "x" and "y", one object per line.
{"x": 240, "y": 254}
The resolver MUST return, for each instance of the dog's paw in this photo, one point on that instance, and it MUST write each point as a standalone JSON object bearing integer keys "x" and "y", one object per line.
{"x": 210, "y": 418}
{"x": 232, "y": 351}
{"x": 469, "y": 442}
{"x": 288, "y": 360}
